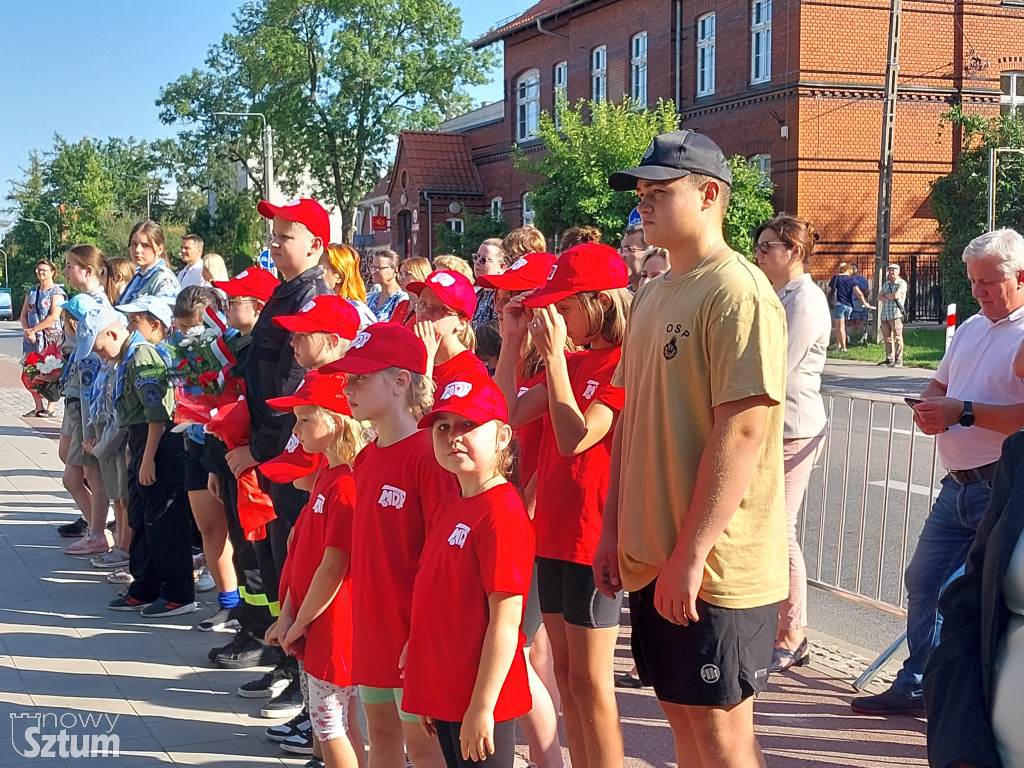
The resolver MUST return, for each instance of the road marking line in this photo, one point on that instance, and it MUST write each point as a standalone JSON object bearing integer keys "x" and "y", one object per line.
{"x": 898, "y": 485}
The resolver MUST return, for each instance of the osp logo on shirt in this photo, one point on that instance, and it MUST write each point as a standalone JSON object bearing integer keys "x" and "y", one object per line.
{"x": 318, "y": 505}
{"x": 361, "y": 338}
{"x": 293, "y": 443}
{"x": 591, "y": 389}
{"x": 391, "y": 497}
{"x": 458, "y": 537}
{"x": 457, "y": 389}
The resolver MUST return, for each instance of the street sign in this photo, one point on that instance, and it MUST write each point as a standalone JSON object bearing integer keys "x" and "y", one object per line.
{"x": 264, "y": 259}
{"x": 379, "y": 223}
{"x": 634, "y": 219}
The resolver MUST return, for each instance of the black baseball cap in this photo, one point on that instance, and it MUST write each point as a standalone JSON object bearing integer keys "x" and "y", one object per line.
{"x": 673, "y": 156}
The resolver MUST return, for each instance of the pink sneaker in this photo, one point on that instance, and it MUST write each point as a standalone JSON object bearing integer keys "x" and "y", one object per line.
{"x": 92, "y": 544}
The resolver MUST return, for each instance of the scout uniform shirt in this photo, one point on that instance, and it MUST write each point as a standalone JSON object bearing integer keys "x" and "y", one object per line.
{"x": 142, "y": 393}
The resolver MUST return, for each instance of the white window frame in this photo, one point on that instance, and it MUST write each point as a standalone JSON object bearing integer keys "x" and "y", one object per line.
{"x": 706, "y": 55}
{"x": 599, "y": 73}
{"x": 527, "y": 105}
{"x": 763, "y": 163}
{"x": 456, "y": 225}
{"x": 638, "y": 68}
{"x": 760, "y": 41}
{"x": 529, "y": 214}
{"x": 1011, "y": 99}
{"x": 560, "y": 78}
{"x": 360, "y": 214}
{"x": 496, "y": 208}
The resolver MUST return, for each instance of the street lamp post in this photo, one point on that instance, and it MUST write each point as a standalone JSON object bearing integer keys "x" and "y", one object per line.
{"x": 268, "y": 154}
{"x": 7, "y": 277}
{"x": 49, "y": 233}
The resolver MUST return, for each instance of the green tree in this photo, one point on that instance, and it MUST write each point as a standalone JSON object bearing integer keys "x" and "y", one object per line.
{"x": 337, "y": 80}
{"x": 959, "y": 199}
{"x": 750, "y": 205}
{"x": 475, "y": 230}
{"x": 235, "y": 230}
{"x": 592, "y": 141}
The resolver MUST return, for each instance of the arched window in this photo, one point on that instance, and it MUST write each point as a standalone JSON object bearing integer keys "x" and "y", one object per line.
{"x": 527, "y": 104}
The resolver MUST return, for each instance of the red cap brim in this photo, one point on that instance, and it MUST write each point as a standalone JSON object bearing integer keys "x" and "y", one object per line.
{"x": 298, "y": 324}
{"x": 286, "y": 403}
{"x": 544, "y": 297}
{"x": 360, "y": 366}
{"x": 465, "y": 410}
{"x": 506, "y": 282}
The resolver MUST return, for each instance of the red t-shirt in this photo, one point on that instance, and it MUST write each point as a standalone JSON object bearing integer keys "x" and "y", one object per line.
{"x": 528, "y": 436}
{"x": 396, "y": 489}
{"x": 476, "y": 546}
{"x": 462, "y": 365}
{"x": 325, "y": 521}
{"x": 571, "y": 490}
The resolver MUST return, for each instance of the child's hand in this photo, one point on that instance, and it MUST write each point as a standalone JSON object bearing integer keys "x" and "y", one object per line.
{"x": 515, "y": 320}
{"x": 147, "y": 472}
{"x": 295, "y": 633}
{"x": 427, "y": 724}
{"x": 88, "y": 444}
{"x": 213, "y": 486}
{"x": 477, "y": 734}
{"x": 548, "y": 331}
{"x": 431, "y": 339}
{"x": 240, "y": 459}
{"x": 271, "y": 636}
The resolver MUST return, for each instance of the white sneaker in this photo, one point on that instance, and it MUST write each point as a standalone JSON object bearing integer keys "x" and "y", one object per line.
{"x": 204, "y": 581}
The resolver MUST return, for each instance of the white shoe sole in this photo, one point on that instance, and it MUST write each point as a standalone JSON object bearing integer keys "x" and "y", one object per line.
{"x": 186, "y": 608}
{"x": 275, "y": 689}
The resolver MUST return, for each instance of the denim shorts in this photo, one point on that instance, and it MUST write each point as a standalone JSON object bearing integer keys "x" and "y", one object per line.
{"x": 842, "y": 312}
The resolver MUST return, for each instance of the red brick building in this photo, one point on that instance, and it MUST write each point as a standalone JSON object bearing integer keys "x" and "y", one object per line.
{"x": 795, "y": 87}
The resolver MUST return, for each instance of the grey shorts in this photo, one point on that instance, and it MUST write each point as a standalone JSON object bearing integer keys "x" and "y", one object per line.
{"x": 72, "y": 427}
{"x": 115, "y": 476}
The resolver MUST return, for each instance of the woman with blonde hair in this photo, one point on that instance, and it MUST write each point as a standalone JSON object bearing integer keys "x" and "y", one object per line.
{"x": 214, "y": 268}
{"x": 341, "y": 273}
{"x": 415, "y": 269}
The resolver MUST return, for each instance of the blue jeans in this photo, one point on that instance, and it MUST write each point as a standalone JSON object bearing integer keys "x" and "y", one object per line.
{"x": 941, "y": 549}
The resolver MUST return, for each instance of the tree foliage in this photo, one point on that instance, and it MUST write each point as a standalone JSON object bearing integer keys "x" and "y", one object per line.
{"x": 595, "y": 139}
{"x": 235, "y": 230}
{"x": 475, "y": 230}
{"x": 959, "y": 199}
{"x": 336, "y": 79}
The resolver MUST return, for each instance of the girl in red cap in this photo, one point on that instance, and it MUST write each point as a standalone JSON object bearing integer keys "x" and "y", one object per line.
{"x": 315, "y": 622}
{"x": 444, "y": 309}
{"x": 465, "y": 673}
{"x": 586, "y": 300}
{"x": 398, "y": 484}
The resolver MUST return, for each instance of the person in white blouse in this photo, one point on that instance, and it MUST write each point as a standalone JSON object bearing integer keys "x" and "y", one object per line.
{"x": 783, "y": 247}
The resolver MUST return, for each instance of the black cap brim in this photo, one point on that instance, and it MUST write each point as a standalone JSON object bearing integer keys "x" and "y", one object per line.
{"x": 625, "y": 181}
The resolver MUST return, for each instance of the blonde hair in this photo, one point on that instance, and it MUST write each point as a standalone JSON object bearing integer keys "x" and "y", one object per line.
{"x": 845, "y": 269}
{"x": 349, "y": 434}
{"x": 455, "y": 264}
{"x": 610, "y": 322}
{"x": 118, "y": 267}
{"x": 420, "y": 392}
{"x": 325, "y": 338}
{"x": 521, "y": 241}
{"x": 344, "y": 259}
{"x": 417, "y": 267}
{"x": 214, "y": 264}
{"x": 653, "y": 251}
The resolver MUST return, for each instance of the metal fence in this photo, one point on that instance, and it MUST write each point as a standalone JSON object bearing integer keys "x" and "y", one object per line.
{"x": 924, "y": 290}
{"x": 867, "y": 498}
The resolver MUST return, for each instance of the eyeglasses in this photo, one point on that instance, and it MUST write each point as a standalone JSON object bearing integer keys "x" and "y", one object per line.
{"x": 480, "y": 260}
{"x": 432, "y": 311}
{"x": 632, "y": 249}
{"x": 403, "y": 275}
{"x": 236, "y": 301}
{"x": 374, "y": 269}
{"x": 767, "y": 245}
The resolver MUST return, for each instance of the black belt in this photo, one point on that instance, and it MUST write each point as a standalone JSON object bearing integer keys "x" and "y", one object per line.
{"x": 976, "y": 475}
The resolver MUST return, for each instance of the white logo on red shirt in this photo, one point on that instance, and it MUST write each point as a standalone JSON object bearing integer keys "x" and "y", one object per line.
{"x": 361, "y": 338}
{"x": 309, "y": 305}
{"x": 457, "y": 389}
{"x": 242, "y": 275}
{"x": 442, "y": 279}
{"x": 591, "y": 389}
{"x": 318, "y": 505}
{"x": 458, "y": 537}
{"x": 391, "y": 497}
{"x": 293, "y": 443}
{"x": 518, "y": 265}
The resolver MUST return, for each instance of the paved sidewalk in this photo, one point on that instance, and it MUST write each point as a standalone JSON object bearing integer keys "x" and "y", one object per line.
{"x": 64, "y": 655}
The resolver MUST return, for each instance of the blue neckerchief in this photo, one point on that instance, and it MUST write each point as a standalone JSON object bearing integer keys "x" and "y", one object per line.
{"x": 69, "y": 361}
{"x": 135, "y": 341}
{"x": 138, "y": 282}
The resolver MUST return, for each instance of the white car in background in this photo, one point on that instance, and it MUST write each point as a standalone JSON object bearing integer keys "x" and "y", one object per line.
{"x": 6, "y": 307}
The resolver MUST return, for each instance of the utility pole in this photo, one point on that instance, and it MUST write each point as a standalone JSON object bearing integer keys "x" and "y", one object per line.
{"x": 268, "y": 157}
{"x": 884, "y": 216}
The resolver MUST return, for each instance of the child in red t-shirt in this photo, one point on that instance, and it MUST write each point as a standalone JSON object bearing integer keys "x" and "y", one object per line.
{"x": 315, "y": 622}
{"x": 398, "y": 483}
{"x": 444, "y": 307}
{"x": 586, "y": 300}
{"x": 465, "y": 673}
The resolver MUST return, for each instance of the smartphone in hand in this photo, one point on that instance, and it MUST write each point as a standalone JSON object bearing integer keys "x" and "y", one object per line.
{"x": 912, "y": 401}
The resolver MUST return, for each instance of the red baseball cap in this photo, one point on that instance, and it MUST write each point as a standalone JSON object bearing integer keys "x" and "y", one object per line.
{"x": 474, "y": 397}
{"x": 293, "y": 464}
{"x": 379, "y": 346}
{"x": 323, "y": 314}
{"x": 452, "y": 288}
{"x": 586, "y": 267}
{"x": 526, "y": 273}
{"x": 254, "y": 281}
{"x": 316, "y": 388}
{"x": 303, "y": 211}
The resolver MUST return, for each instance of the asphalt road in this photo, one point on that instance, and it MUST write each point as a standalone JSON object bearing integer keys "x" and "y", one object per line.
{"x": 10, "y": 338}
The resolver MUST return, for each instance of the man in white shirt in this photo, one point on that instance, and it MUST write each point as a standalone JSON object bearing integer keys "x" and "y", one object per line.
{"x": 192, "y": 256}
{"x": 974, "y": 401}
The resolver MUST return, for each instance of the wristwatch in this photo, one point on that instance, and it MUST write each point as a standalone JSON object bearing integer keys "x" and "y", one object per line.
{"x": 967, "y": 417}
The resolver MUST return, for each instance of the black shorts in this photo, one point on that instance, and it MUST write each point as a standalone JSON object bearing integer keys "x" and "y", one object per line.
{"x": 196, "y": 475}
{"x": 568, "y": 589}
{"x": 718, "y": 661}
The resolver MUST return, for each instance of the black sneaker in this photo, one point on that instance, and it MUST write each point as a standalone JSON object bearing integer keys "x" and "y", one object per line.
{"x": 245, "y": 651}
{"x": 299, "y": 744}
{"x": 890, "y": 702}
{"x": 75, "y": 530}
{"x": 162, "y": 609}
{"x": 287, "y": 703}
{"x": 298, "y": 724}
{"x": 268, "y": 686}
{"x": 224, "y": 618}
{"x": 315, "y": 762}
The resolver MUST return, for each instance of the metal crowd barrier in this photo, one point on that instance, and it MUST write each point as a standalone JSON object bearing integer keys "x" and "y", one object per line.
{"x": 866, "y": 501}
